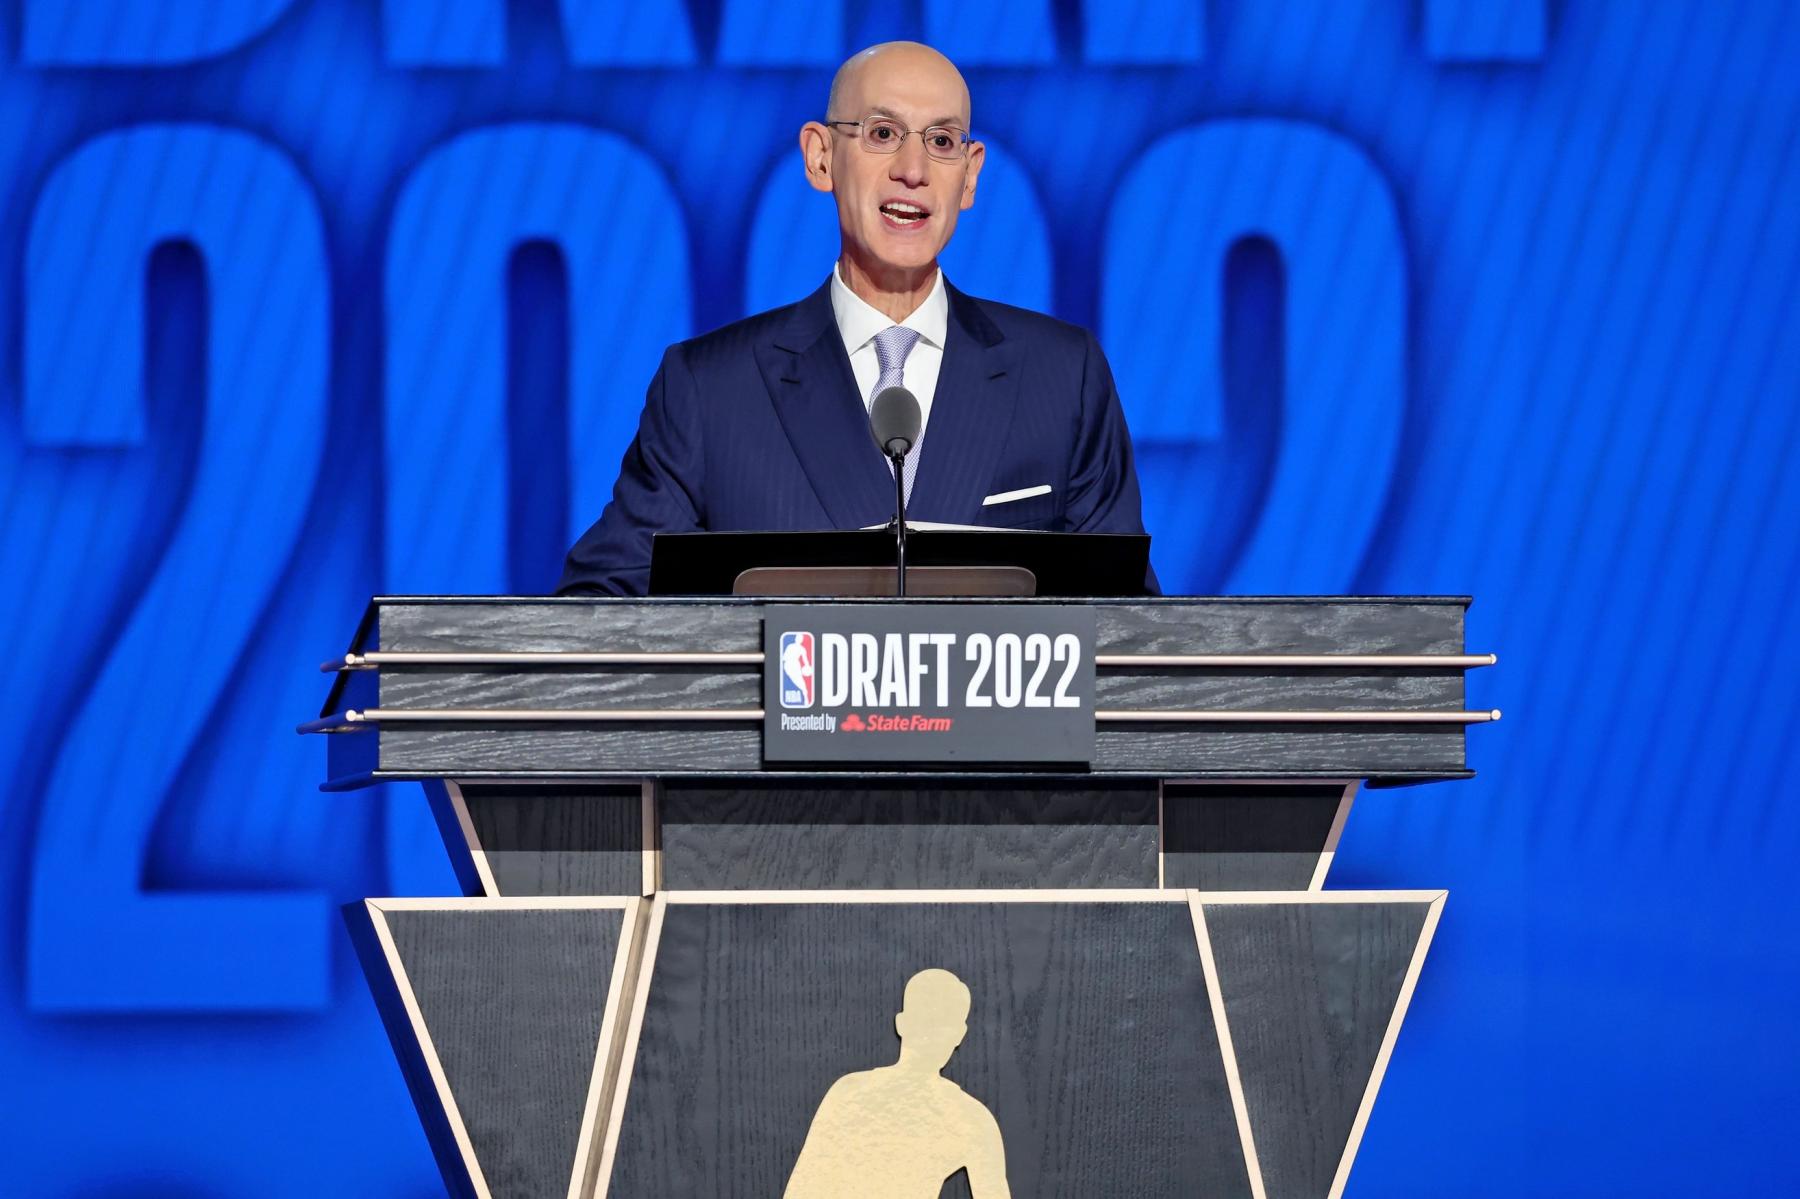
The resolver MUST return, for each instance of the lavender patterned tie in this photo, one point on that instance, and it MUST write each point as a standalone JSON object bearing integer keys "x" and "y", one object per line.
{"x": 892, "y": 345}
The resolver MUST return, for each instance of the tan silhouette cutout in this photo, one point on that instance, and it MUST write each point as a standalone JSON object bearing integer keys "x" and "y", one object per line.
{"x": 900, "y": 1131}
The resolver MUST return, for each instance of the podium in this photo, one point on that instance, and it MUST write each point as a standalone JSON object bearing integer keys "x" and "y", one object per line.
{"x": 679, "y": 968}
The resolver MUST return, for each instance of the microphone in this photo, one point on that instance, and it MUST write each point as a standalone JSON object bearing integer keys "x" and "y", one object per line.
{"x": 894, "y": 421}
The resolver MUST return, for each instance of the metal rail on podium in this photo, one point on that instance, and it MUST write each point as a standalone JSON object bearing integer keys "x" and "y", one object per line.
{"x": 771, "y": 896}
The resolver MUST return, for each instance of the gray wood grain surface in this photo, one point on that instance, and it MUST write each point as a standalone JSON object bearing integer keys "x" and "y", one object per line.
{"x": 1196, "y": 624}
{"x": 1229, "y": 751}
{"x": 513, "y": 1001}
{"x": 1309, "y": 990}
{"x": 791, "y": 833}
{"x": 560, "y": 839}
{"x": 701, "y": 687}
{"x": 595, "y": 625}
{"x": 1177, "y": 625}
{"x": 1245, "y": 838}
{"x": 1090, "y": 1040}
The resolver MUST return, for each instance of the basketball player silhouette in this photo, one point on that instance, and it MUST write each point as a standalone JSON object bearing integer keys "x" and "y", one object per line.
{"x": 899, "y": 1131}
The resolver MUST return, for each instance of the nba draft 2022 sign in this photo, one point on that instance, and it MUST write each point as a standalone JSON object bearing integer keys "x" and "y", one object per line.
{"x": 974, "y": 684}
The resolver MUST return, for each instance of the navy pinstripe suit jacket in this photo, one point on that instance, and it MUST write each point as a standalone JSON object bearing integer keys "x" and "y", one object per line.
{"x": 760, "y": 425}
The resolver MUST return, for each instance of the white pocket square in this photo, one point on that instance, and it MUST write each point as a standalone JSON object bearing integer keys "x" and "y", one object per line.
{"x": 1023, "y": 493}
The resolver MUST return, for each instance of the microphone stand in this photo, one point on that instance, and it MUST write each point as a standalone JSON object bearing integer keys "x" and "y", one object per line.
{"x": 899, "y": 461}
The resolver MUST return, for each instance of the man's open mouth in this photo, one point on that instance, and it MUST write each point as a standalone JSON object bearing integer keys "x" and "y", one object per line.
{"x": 901, "y": 213}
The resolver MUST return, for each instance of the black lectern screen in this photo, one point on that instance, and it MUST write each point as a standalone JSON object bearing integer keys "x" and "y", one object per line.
{"x": 1066, "y": 564}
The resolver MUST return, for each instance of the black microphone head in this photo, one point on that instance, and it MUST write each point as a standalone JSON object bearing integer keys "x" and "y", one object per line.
{"x": 894, "y": 420}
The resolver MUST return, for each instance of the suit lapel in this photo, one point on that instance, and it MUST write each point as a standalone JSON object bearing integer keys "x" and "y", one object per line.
{"x": 971, "y": 413}
{"x": 814, "y": 392}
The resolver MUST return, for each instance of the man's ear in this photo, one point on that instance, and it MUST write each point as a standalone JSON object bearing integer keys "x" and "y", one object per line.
{"x": 815, "y": 155}
{"x": 977, "y": 156}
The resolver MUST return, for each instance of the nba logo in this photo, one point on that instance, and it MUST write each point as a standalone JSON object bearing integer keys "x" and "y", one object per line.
{"x": 796, "y": 670}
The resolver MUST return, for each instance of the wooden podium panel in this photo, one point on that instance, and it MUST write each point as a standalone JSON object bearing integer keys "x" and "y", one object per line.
{"x": 1273, "y": 836}
{"x": 1144, "y": 1042}
{"x": 1314, "y": 994}
{"x": 544, "y": 838}
{"x": 900, "y": 833}
{"x": 503, "y": 1014}
{"x": 1230, "y": 688}
{"x": 1134, "y": 1043}
{"x": 1091, "y": 1039}
{"x": 886, "y": 832}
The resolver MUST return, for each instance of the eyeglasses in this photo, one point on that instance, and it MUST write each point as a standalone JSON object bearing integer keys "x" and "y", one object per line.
{"x": 883, "y": 135}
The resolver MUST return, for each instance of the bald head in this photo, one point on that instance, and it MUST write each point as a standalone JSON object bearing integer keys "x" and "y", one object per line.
{"x": 897, "y": 194}
{"x": 870, "y": 73}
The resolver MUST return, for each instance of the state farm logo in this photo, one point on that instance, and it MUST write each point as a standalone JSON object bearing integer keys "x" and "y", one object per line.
{"x": 877, "y": 723}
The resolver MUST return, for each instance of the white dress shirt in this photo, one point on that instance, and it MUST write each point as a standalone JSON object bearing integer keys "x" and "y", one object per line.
{"x": 858, "y": 322}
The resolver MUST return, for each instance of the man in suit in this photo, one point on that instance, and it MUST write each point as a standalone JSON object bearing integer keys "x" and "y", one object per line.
{"x": 764, "y": 424}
